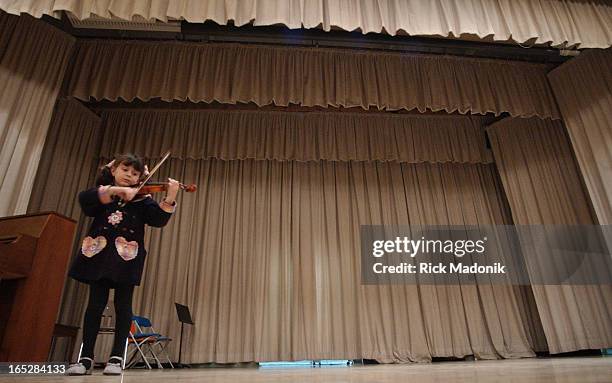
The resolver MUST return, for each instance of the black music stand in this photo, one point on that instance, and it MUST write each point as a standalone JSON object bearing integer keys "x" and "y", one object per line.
{"x": 184, "y": 317}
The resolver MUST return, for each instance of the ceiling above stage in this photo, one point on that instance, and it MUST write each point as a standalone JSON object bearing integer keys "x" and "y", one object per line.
{"x": 467, "y": 45}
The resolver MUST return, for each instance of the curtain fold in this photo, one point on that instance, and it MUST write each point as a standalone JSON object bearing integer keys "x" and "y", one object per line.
{"x": 559, "y": 22}
{"x": 264, "y": 75}
{"x": 583, "y": 89}
{"x": 67, "y": 165}
{"x": 543, "y": 186}
{"x": 238, "y": 135}
{"x": 33, "y": 59}
{"x": 7, "y": 26}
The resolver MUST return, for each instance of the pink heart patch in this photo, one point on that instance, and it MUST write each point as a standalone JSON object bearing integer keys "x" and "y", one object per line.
{"x": 127, "y": 250}
{"x": 91, "y": 246}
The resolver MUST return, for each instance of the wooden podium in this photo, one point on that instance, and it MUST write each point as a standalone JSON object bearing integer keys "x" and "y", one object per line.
{"x": 34, "y": 254}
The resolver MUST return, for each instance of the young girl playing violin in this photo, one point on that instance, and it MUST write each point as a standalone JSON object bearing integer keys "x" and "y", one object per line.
{"x": 112, "y": 254}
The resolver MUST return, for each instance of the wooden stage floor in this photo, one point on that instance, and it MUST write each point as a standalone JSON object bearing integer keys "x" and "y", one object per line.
{"x": 558, "y": 370}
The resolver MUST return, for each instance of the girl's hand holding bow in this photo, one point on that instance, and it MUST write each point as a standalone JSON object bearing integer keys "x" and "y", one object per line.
{"x": 126, "y": 193}
{"x": 106, "y": 193}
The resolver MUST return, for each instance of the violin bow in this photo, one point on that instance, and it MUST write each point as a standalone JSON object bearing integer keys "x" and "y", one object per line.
{"x": 164, "y": 158}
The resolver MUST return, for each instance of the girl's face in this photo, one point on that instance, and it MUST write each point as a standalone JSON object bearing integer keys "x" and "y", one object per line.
{"x": 125, "y": 175}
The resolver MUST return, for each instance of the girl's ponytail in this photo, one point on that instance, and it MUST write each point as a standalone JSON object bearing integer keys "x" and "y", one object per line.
{"x": 105, "y": 177}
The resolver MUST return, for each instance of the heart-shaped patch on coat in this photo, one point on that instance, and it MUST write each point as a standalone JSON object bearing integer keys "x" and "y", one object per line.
{"x": 127, "y": 250}
{"x": 91, "y": 246}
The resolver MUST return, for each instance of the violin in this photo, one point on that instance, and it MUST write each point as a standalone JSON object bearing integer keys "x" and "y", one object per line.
{"x": 147, "y": 187}
{"x": 156, "y": 187}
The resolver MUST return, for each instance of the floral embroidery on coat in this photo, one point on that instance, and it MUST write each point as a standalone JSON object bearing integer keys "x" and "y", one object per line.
{"x": 115, "y": 218}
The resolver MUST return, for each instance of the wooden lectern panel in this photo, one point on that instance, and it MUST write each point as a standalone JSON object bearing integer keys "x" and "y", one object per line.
{"x": 12, "y": 267}
{"x": 34, "y": 254}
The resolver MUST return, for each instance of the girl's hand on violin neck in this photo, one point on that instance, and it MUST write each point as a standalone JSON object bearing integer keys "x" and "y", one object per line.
{"x": 124, "y": 192}
{"x": 172, "y": 191}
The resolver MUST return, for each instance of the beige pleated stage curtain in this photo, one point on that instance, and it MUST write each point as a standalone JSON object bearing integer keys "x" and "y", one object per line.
{"x": 67, "y": 166}
{"x": 583, "y": 88}
{"x": 559, "y": 22}
{"x": 543, "y": 186}
{"x": 266, "y": 252}
{"x": 33, "y": 58}
{"x": 233, "y": 73}
{"x": 68, "y": 159}
{"x": 266, "y": 255}
{"x": 314, "y": 136}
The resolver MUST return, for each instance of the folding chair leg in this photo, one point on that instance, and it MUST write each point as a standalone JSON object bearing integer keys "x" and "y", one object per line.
{"x": 125, "y": 350}
{"x": 131, "y": 358}
{"x": 159, "y": 365}
{"x": 163, "y": 349}
{"x": 144, "y": 357}
{"x": 168, "y": 357}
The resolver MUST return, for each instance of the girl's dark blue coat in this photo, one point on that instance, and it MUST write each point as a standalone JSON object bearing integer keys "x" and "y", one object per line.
{"x": 108, "y": 264}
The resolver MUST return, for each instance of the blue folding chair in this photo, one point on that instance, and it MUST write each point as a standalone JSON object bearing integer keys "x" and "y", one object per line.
{"x": 145, "y": 340}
